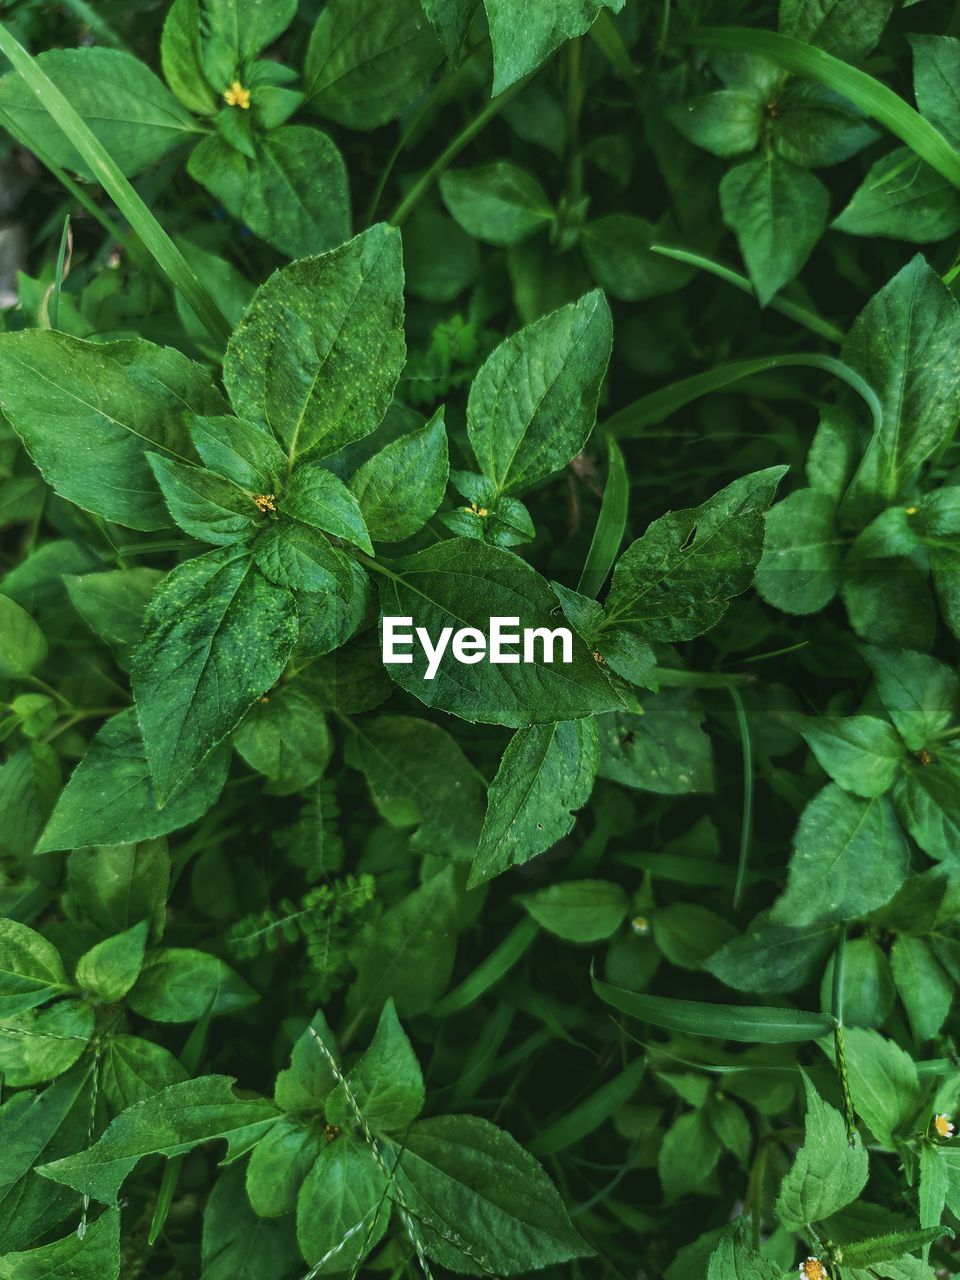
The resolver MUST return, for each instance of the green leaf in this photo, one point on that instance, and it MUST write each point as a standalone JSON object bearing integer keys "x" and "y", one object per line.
{"x": 93, "y": 1256}
{"x": 181, "y": 58}
{"x": 451, "y": 19}
{"x": 687, "y": 933}
{"x": 22, "y": 644}
{"x": 546, "y": 773}
{"x": 343, "y": 1208}
{"x": 232, "y": 33}
{"x": 860, "y": 753}
{"x": 217, "y": 637}
{"x": 110, "y": 968}
{"x": 867, "y": 992}
{"x": 927, "y": 801}
{"x": 689, "y": 1152}
{"x": 849, "y": 857}
{"x": 733, "y": 1258}
{"x": 170, "y": 1123}
{"x": 533, "y": 403}
{"x": 920, "y": 694}
{"x": 294, "y": 362}
{"x": 112, "y": 604}
{"x": 279, "y": 1163}
{"x": 236, "y": 1242}
{"x": 367, "y": 61}
{"x": 523, "y": 38}
{"x": 675, "y": 581}
{"x": 89, "y": 410}
{"x": 771, "y": 957}
{"x": 386, "y": 1084}
{"x": 110, "y": 795}
{"x": 578, "y": 910}
{"x": 203, "y": 504}
{"x": 292, "y": 191}
{"x": 463, "y": 583}
{"x": 883, "y": 1083}
{"x": 179, "y": 984}
{"x": 244, "y": 452}
{"x": 799, "y": 571}
{"x": 904, "y": 341}
{"x": 115, "y": 886}
{"x": 744, "y": 1023}
{"x": 936, "y": 61}
{"x": 134, "y": 1069}
{"x": 316, "y": 497}
{"x": 827, "y": 1172}
{"x": 590, "y": 1114}
{"x": 904, "y": 198}
{"x": 128, "y": 109}
{"x": 664, "y": 750}
{"x": 408, "y": 953}
{"x": 867, "y": 1253}
{"x": 29, "y": 785}
{"x": 286, "y": 738}
{"x": 499, "y": 203}
{"x": 726, "y": 122}
{"x": 292, "y": 554}
{"x": 42, "y": 1044}
{"x": 306, "y": 1083}
{"x": 400, "y": 487}
{"x": 848, "y": 28}
{"x": 778, "y": 212}
{"x": 449, "y": 1165}
{"x": 924, "y": 988}
{"x": 31, "y": 971}
{"x": 419, "y": 776}
{"x": 617, "y": 251}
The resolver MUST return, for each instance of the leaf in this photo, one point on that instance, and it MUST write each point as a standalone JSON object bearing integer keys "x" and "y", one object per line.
{"x": 617, "y": 251}
{"x": 849, "y": 858}
{"x": 920, "y": 694}
{"x": 848, "y": 28}
{"x": 239, "y": 1245}
{"x": 170, "y": 1123}
{"x": 927, "y": 800}
{"x": 110, "y": 796}
{"x": 733, "y": 1258}
{"x": 128, "y": 109}
{"x": 317, "y": 498}
{"x": 888, "y": 1248}
{"x": 500, "y": 203}
{"x": 689, "y": 1152}
{"x": 408, "y": 953}
{"x": 589, "y": 1115}
{"x": 93, "y": 1256}
{"x": 883, "y": 1083}
{"x": 545, "y": 775}
{"x": 386, "y": 1084}
{"x": 902, "y": 197}
{"x": 342, "y": 1209}
{"x": 687, "y": 933}
{"x": 115, "y": 886}
{"x": 725, "y": 122}
{"x": 675, "y": 581}
{"x": 771, "y": 957}
{"x": 293, "y": 362}
{"x": 904, "y": 340}
{"x": 29, "y": 785}
{"x": 279, "y": 1163}
{"x": 42, "y": 1044}
{"x": 110, "y": 968}
{"x": 419, "y": 776}
{"x": 367, "y": 61}
{"x": 936, "y": 60}
{"x": 861, "y": 754}
{"x": 112, "y": 604}
{"x": 292, "y": 191}
{"x": 87, "y": 410}
{"x": 778, "y": 212}
{"x": 203, "y": 504}
{"x": 244, "y": 452}
{"x": 827, "y": 1172}
{"x": 799, "y": 571}
{"x": 217, "y": 636}
{"x": 134, "y": 1069}
{"x": 22, "y": 643}
{"x": 31, "y": 971}
{"x": 523, "y": 38}
{"x": 533, "y": 403}
{"x": 451, "y": 1164}
{"x": 179, "y": 984}
{"x": 578, "y": 910}
{"x": 463, "y": 583}
{"x": 664, "y": 750}
{"x": 924, "y": 988}
{"x": 744, "y": 1023}
{"x": 400, "y": 487}
{"x": 286, "y": 738}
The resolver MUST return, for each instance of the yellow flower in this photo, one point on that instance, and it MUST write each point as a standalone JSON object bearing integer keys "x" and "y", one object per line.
{"x": 640, "y": 924}
{"x": 237, "y": 96}
{"x": 911, "y": 511}
{"x": 813, "y": 1269}
{"x": 265, "y": 502}
{"x": 944, "y": 1126}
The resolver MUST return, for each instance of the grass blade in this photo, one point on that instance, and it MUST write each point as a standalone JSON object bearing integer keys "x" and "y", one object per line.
{"x": 651, "y": 409}
{"x": 591, "y": 1113}
{"x": 746, "y": 822}
{"x": 168, "y": 257}
{"x": 611, "y": 523}
{"x": 864, "y": 91}
{"x": 748, "y": 1024}
{"x": 792, "y": 310}
{"x": 58, "y": 277}
{"x": 489, "y": 971}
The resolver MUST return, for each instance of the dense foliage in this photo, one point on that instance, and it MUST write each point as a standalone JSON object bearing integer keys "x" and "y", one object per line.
{"x": 637, "y": 316}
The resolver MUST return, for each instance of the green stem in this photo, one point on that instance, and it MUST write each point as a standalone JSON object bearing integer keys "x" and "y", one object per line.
{"x": 51, "y": 692}
{"x": 746, "y": 825}
{"x": 453, "y": 149}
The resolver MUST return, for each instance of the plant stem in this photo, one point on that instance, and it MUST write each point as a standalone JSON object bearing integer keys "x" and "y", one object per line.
{"x": 746, "y": 824}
